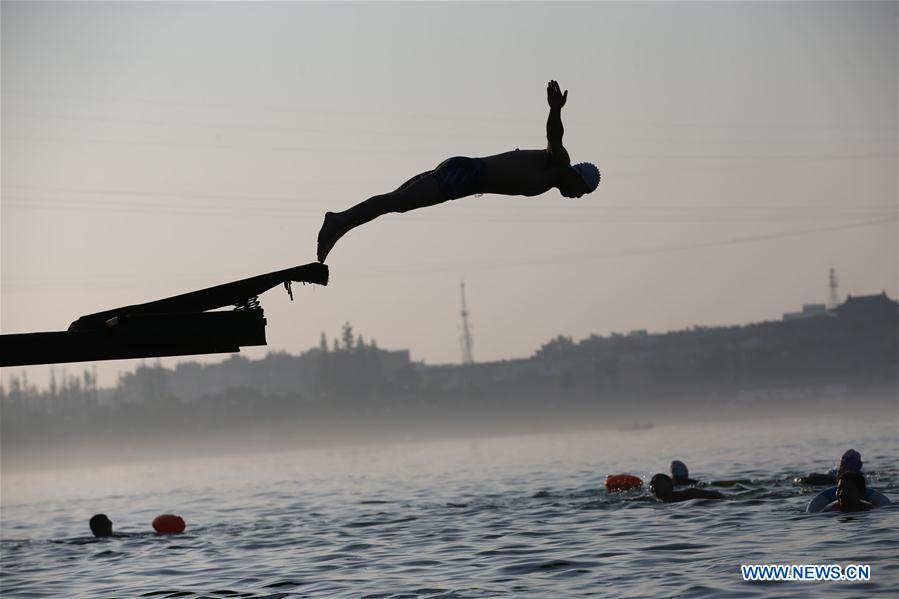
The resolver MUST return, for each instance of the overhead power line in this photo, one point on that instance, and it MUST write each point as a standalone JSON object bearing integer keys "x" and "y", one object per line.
{"x": 604, "y": 206}
{"x": 218, "y": 126}
{"x": 613, "y": 254}
{"x": 205, "y": 107}
{"x": 756, "y": 158}
{"x": 535, "y": 214}
{"x": 482, "y": 265}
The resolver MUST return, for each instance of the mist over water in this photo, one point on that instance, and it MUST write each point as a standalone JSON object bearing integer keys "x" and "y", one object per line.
{"x": 516, "y": 516}
{"x": 353, "y": 391}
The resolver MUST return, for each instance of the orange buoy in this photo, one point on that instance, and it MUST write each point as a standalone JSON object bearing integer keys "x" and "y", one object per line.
{"x": 168, "y": 524}
{"x": 622, "y": 482}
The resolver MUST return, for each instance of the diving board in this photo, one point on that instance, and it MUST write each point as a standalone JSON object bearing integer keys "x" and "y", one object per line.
{"x": 174, "y": 326}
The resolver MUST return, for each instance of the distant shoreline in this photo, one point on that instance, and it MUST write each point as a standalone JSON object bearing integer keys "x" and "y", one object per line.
{"x": 132, "y": 451}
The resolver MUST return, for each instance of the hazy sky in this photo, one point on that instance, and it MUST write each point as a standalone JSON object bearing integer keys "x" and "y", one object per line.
{"x": 150, "y": 149}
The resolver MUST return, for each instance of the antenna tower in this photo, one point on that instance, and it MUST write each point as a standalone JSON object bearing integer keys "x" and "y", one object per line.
{"x": 834, "y": 291}
{"x": 465, "y": 338}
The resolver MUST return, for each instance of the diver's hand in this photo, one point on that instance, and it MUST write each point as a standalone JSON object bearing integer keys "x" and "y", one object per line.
{"x": 554, "y": 95}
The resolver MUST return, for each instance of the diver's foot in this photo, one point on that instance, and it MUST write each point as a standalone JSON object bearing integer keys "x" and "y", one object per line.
{"x": 332, "y": 230}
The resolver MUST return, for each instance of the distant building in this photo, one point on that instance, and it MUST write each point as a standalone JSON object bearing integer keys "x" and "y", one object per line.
{"x": 868, "y": 307}
{"x": 392, "y": 361}
{"x": 808, "y": 311}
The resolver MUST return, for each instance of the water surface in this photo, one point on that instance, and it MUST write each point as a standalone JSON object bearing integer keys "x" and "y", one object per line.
{"x": 515, "y": 516}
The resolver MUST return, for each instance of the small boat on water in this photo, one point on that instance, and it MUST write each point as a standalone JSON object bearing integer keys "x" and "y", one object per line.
{"x": 636, "y": 426}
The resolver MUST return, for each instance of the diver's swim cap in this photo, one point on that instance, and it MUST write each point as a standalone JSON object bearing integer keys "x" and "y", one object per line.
{"x": 589, "y": 173}
{"x": 679, "y": 470}
{"x": 851, "y": 461}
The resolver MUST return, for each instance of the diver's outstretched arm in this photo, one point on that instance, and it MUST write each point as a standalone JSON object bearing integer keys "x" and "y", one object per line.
{"x": 554, "y": 128}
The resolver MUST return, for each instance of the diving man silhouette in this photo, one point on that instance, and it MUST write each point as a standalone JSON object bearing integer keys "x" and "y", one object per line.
{"x": 518, "y": 172}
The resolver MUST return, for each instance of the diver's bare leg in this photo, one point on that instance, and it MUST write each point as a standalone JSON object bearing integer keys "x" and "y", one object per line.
{"x": 418, "y": 192}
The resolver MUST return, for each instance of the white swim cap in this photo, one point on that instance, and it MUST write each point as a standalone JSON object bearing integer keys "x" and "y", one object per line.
{"x": 589, "y": 173}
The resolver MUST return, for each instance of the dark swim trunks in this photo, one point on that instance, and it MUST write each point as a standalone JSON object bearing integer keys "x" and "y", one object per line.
{"x": 460, "y": 176}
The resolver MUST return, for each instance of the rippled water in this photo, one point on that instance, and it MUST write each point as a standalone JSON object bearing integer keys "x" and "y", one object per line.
{"x": 518, "y": 516}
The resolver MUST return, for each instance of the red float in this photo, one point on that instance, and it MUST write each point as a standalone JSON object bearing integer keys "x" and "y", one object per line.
{"x": 622, "y": 482}
{"x": 168, "y": 524}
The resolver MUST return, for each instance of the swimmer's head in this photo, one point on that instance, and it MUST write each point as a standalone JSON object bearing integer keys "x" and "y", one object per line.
{"x": 589, "y": 174}
{"x": 850, "y": 462}
{"x": 101, "y": 526}
{"x": 679, "y": 470}
{"x": 850, "y": 491}
{"x": 661, "y": 485}
{"x": 571, "y": 185}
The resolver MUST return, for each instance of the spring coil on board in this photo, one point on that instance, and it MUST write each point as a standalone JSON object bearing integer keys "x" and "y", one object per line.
{"x": 249, "y": 304}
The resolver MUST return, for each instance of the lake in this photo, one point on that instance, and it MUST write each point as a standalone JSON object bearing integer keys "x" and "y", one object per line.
{"x": 513, "y": 516}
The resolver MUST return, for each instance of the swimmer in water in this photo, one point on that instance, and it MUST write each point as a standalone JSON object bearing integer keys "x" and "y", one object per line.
{"x": 851, "y": 461}
{"x": 101, "y": 526}
{"x": 662, "y": 487}
{"x": 850, "y": 494}
{"x": 680, "y": 475}
{"x": 829, "y": 499}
